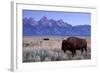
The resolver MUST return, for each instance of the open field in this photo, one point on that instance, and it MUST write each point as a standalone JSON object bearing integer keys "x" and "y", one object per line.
{"x": 38, "y": 49}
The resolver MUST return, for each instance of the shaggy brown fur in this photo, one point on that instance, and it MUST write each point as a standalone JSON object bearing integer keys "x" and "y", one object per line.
{"x": 74, "y": 43}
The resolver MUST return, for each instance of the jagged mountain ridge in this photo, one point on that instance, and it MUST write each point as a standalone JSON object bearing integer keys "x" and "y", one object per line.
{"x": 47, "y": 27}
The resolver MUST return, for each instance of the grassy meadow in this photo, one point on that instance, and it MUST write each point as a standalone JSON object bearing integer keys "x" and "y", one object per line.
{"x": 36, "y": 49}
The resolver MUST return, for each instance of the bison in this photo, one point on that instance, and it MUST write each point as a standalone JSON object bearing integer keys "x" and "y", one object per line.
{"x": 74, "y": 43}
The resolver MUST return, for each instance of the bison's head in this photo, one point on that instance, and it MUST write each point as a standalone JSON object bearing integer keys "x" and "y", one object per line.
{"x": 64, "y": 45}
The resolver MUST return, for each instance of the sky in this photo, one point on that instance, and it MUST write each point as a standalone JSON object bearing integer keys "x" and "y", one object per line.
{"x": 73, "y": 18}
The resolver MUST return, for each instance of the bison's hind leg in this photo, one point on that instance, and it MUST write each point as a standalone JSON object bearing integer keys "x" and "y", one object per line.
{"x": 85, "y": 48}
{"x": 84, "y": 51}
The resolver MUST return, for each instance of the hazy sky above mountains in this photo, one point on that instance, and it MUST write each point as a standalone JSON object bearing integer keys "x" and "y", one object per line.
{"x": 73, "y": 18}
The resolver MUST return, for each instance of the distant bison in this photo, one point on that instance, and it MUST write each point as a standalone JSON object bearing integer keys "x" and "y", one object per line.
{"x": 46, "y": 39}
{"x": 74, "y": 43}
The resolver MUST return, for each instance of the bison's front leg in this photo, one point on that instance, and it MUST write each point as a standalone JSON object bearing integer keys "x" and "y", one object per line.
{"x": 81, "y": 50}
{"x": 73, "y": 52}
{"x": 64, "y": 50}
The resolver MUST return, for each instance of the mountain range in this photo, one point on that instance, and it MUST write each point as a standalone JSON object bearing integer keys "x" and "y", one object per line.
{"x": 49, "y": 27}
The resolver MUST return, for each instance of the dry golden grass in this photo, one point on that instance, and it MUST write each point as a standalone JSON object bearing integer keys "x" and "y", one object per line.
{"x": 35, "y": 49}
{"x": 52, "y": 43}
